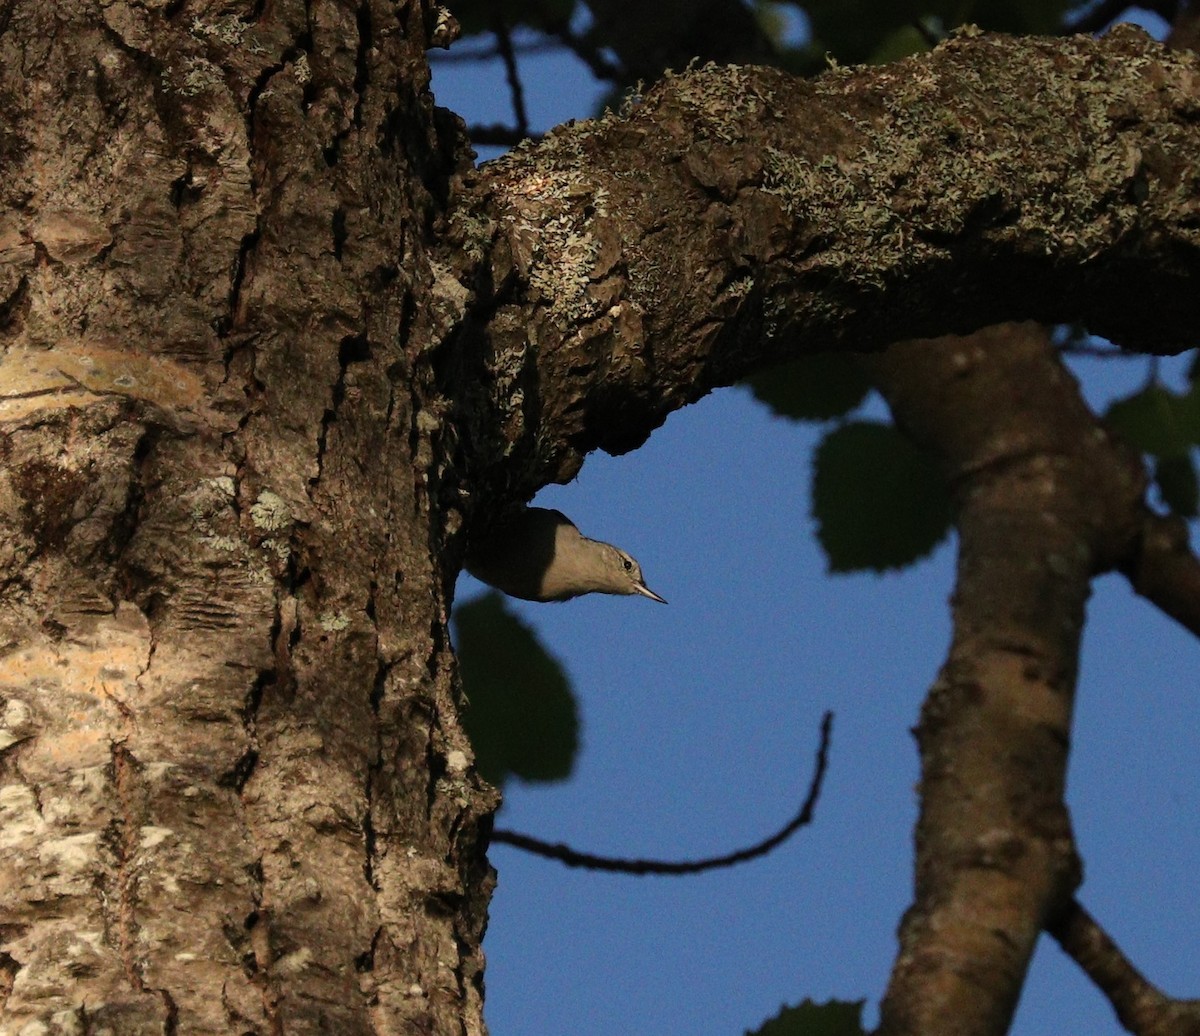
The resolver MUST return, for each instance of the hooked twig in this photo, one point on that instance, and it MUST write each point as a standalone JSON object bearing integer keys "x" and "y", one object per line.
{"x": 573, "y": 858}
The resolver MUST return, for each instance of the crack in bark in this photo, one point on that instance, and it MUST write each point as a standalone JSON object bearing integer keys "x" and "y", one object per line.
{"x": 374, "y": 768}
{"x": 259, "y": 963}
{"x": 171, "y": 1021}
{"x": 124, "y": 771}
{"x": 224, "y": 326}
{"x": 362, "y": 68}
{"x": 15, "y": 304}
{"x": 9, "y": 969}
{"x": 354, "y": 348}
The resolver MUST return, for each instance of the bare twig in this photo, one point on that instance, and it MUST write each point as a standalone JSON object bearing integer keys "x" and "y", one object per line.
{"x": 572, "y": 858}
{"x": 591, "y": 55}
{"x": 504, "y": 46}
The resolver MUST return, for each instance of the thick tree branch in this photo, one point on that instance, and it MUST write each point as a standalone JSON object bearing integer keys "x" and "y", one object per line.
{"x": 628, "y": 265}
{"x": 1046, "y": 499}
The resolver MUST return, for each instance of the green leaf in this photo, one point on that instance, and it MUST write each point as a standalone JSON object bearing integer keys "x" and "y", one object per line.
{"x": 521, "y": 714}
{"x": 1177, "y": 482}
{"x": 835, "y": 1018}
{"x": 897, "y": 44}
{"x": 879, "y": 501}
{"x": 1187, "y": 413}
{"x": 815, "y": 387}
{"x": 1156, "y": 421}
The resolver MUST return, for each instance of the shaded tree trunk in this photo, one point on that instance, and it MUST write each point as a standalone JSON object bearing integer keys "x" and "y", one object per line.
{"x": 236, "y": 795}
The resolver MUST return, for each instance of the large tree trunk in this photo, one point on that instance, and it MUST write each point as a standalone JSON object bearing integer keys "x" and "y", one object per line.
{"x": 235, "y": 793}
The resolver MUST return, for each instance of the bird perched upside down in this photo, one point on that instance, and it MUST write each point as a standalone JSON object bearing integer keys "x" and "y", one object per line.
{"x": 539, "y": 555}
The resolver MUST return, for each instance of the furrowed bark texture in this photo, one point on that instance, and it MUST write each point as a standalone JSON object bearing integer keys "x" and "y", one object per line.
{"x": 626, "y": 266}
{"x": 1046, "y": 500}
{"x": 233, "y": 793}
{"x": 241, "y": 410}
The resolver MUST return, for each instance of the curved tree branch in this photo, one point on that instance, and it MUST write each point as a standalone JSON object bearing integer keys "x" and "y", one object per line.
{"x": 626, "y": 266}
{"x": 512, "y": 75}
{"x": 619, "y": 865}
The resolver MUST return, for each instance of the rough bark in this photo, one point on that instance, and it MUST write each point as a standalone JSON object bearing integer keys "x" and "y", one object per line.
{"x": 244, "y": 417}
{"x": 235, "y": 793}
{"x": 1046, "y": 499}
{"x": 626, "y": 266}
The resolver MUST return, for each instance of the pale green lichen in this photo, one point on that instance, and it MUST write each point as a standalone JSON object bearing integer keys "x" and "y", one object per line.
{"x": 301, "y": 70}
{"x": 830, "y": 192}
{"x": 280, "y": 548}
{"x": 937, "y": 138}
{"x": 961, "y": 152}
{"x": 548, "y": 219}
{"x": 227, "y": 29}
{"x": 270, "y": 512}
{"x": 474, "y": 232}
{"x": 196, "y": 76}
{"x": 740, "y": 288}
{"x": 719, "y": 99}
{"x": 333, "y": 622}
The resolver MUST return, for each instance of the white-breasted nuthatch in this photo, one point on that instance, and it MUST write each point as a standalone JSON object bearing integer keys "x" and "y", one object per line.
{"x": 539, "y": 555}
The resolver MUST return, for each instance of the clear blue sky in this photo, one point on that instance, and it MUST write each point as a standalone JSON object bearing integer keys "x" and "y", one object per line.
{"x": 700, "y": 722}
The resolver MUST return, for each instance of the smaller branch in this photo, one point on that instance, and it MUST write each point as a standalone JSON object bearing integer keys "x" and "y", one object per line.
{"x": 1141, "y": 1007}
{"x": 572, "y": 858}
{"x": 1164, "y": 570}
{"x": 505, "y": 47}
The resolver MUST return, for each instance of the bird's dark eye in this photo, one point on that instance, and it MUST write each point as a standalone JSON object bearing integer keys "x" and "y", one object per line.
{"x": 628, "y": 565}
